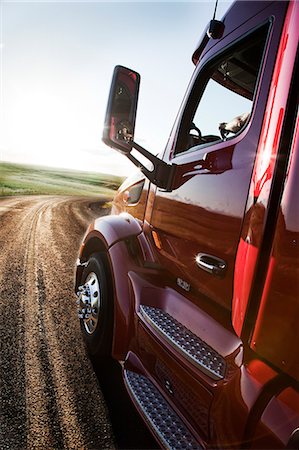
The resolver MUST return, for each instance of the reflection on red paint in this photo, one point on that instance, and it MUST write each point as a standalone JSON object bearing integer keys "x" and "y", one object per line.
{"x": 264, "y": 300}
{"x": 279, "y": 420}
{"x": 244, "y": 270}
{"x": 260, "y": 182}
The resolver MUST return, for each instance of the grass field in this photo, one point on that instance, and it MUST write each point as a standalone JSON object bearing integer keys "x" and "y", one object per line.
{"x": 17, "y": 179}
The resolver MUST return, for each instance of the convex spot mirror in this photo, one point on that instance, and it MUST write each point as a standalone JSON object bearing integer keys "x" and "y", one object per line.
{"x": 121, "y": 109}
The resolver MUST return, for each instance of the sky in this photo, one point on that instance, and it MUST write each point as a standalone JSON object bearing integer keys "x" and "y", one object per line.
{"x": 56, "y": 65}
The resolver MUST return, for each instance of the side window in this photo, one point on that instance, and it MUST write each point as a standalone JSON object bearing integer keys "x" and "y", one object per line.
{"x": 221, "y": 101}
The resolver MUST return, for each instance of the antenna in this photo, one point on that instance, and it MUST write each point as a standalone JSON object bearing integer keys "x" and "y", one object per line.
{"x": 216, "y": 4}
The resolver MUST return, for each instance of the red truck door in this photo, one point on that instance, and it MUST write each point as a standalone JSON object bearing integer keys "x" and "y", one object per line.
{"x": 196, "y": 227}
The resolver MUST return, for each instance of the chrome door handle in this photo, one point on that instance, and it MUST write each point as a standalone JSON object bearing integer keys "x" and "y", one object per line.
{"x": 211, "y": 264}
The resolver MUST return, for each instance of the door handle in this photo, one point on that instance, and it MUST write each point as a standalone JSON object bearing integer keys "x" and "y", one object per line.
{"x": 211, "y": 264}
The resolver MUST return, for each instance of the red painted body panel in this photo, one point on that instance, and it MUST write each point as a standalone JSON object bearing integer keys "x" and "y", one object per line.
{"x": 244, "y": 271}
{"x": 234, "y": 18}
{"x": 276, "y": 326}
{"x": 279, "y": 421}
{"x": 252, "y": 232}
{"x": 110, "y": 229}
{"x": 235, "y": 401}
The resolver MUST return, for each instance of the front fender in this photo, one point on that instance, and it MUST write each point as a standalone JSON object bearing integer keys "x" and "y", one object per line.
{"x": 109, "y": 230}
{"x": 109, "y": 235}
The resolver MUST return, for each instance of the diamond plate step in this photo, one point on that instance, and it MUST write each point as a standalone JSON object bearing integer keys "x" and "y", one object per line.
{"x": 168, "y": 427}
{"x": 186, "y": 342}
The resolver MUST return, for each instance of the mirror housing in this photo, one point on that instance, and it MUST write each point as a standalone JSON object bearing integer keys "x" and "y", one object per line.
{"x": 121, "y": 110}
{"x": 120, "y": 125}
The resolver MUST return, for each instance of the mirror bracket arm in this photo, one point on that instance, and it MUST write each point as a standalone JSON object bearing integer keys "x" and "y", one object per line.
{"x": 162, "y": 175}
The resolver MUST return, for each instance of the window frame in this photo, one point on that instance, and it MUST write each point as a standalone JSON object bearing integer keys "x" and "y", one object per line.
{"x": 200, "y": 83}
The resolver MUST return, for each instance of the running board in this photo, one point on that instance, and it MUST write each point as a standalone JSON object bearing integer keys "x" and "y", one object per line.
{"x": 162, "y": 419}
{"x": 186, "y": 342}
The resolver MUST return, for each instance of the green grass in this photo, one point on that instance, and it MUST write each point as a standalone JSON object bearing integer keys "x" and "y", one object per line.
{"x": 17, "y": 179}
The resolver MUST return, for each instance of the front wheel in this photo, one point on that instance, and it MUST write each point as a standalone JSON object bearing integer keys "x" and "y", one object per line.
{"x": 96, "y": 307}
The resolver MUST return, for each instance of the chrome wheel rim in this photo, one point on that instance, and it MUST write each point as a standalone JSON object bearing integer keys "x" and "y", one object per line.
{"x": 90, "y": 302}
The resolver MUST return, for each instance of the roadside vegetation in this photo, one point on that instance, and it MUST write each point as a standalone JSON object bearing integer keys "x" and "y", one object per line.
{"x": 17, "y": 179}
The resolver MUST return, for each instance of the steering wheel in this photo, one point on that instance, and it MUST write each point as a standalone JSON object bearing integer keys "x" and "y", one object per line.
{"x": 194, "y": 127}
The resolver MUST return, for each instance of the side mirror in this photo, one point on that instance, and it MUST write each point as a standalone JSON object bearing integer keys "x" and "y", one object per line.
{"x": 120, "y": 124}
{"x": 121, "y": 110}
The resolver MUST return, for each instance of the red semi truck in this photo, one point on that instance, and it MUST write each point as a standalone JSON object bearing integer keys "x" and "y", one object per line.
{"x": 192, "y": 282}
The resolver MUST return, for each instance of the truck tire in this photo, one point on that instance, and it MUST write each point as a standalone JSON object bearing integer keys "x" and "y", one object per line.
{"x": 96, "y": 307}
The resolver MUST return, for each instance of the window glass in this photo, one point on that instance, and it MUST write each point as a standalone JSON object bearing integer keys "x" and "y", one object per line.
{"x": 218, "y": 106}
{"x": 221, "y": 103}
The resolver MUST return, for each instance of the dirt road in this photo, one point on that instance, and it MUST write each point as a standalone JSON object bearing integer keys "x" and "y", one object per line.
{"x": 50, "y": 395}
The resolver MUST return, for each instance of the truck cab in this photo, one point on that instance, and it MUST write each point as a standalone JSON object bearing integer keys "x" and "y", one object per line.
{"x": 192, "y": 282}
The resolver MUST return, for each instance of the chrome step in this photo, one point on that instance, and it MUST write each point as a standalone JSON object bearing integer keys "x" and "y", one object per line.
{"x": 186, "y": 342}
{"x": 165, "y": 423}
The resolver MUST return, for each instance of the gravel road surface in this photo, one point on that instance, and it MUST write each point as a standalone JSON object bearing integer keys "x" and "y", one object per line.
{"x": 49, "y": 394}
